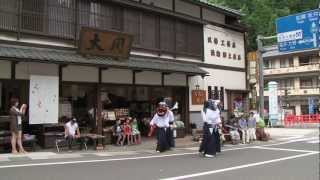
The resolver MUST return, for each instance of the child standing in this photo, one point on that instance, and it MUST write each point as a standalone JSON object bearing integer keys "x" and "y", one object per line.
{"x": 117, "y": 132}
{"x": 135, "y": 132}
{"x": 127, "y": 132}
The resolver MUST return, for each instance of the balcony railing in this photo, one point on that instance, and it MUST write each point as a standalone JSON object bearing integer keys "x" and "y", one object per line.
{"x": 297, "y": 69}
{"x": 296, "y": 92}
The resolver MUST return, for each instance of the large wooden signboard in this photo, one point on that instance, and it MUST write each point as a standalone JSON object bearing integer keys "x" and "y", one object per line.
{"x": 198, "y": 97}
{"x": 105, "y": 43}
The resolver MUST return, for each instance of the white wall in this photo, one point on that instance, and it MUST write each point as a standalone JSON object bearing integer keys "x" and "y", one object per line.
{"x": 5, "y": 69}
{"x": 80, "y": 74}
{"x": 227, "y": 79}
{"x": 175, "y": 79}
{"x": 223, "y": 36}
{"x": 118, "y": 76}
{"x": 148, "y": 78}
{"x": 25, "y": 69}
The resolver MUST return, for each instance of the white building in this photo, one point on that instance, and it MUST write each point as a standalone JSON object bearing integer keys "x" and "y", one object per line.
{"x": 297, "y": 75}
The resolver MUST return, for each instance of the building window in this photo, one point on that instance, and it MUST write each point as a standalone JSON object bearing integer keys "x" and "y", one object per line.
{"x": 61, "y": 18}
{"x": 304, "y": 109}
{"x": 291, "y": 62}
{"x": 304, "y": 60}
{"x": 285, "y": 84}
{"x": 283, "y": 63}
{"x": 167, "y": 34}
{"x": 266, "y": 64}
{"x": 33, "y": 15}
{"x": 181, "y": 37}
{"x": 132, "y": 25}
{"x": 8, "y": 14}
{"x": 99, "y": 15}
{"x": 306, "y": 82}
{"x": 149, "y": 31}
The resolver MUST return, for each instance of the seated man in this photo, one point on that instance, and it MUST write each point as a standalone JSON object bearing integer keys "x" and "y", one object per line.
{"x": 72, "y": 132}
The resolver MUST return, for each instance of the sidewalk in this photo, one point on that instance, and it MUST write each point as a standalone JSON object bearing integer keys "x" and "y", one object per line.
{"x": 148, "y": 147}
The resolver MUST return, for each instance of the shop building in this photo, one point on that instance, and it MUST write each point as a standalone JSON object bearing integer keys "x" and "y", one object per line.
{"x": 40, "y": 47}
{"x": 225, "y": 62}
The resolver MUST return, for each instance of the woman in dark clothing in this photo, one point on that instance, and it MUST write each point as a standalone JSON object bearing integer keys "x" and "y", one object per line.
{"x": 211, "y": 117}
{"x": 16, "y": 125}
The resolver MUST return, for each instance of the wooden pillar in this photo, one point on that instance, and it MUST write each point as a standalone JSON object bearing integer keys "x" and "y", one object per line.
{"x": 13, "y": 70}
{"x": 187, "y": 110}
{"x": 99, "y": 110}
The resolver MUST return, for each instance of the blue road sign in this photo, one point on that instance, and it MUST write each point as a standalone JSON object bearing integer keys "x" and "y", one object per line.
{"x": 299, "y": 31}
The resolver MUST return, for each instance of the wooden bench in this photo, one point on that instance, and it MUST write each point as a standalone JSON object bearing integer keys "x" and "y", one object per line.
{"x": 61, "y": 141}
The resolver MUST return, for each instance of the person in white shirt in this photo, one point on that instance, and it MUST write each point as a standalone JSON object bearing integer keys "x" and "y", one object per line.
{"x": 211, "y": 118}
{"x": 72, "y": 132}
{"x": 162, "y": 120}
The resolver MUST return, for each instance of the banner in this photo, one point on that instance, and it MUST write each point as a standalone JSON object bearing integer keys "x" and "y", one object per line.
{"x": 44, "y": 99}
{"x": 273, "y": 102}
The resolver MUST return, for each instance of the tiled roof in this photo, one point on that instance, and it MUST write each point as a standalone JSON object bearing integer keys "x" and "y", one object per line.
{"x": 49, "y": 55}
{"x": 223, "y": 8}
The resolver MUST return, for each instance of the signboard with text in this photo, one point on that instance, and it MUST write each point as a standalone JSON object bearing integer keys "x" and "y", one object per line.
{"x": 224, "y": 47}
{"x": 105, "y": 43}
{"x": 299, "y": 31}
{"x": 198, "y": 97}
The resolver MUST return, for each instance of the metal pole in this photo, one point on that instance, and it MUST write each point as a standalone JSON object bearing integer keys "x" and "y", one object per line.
{"x": 261, "y": 83}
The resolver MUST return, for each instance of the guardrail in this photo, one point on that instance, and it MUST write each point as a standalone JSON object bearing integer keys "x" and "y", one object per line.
{"x": 302, "y": 120}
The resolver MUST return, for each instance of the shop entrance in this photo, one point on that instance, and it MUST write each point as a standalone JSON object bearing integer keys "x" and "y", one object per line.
{"x": 140, "y": 102}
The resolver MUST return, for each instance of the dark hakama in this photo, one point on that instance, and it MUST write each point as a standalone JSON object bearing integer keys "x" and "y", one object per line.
{"x": 170, "y": 137}
{"x": 218, "y": 145}
{"x": 209, "y": 141}
{"x": 162, "y": 139}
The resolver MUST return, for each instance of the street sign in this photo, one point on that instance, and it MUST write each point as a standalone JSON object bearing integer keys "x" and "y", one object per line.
{"x": 299, "y": 31}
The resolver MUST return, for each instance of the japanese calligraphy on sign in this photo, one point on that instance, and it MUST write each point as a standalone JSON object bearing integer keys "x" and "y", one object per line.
{"x": 105, "y": 43}
{"x": 224, "y": 47}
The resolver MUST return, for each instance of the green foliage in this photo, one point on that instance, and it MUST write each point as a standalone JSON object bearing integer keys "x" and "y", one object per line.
{"x": 260, "y": 15}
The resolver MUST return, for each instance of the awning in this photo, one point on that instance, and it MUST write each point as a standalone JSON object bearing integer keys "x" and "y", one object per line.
{"x": 50, "y": 55}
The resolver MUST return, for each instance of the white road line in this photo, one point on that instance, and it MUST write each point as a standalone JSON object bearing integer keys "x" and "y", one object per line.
{"x": 314, "y": 142}
{"x": 290, "y": 138}
{"x": 239, "y": 167}
{"x": 283, "y": 149}
{"x": 291, "y": 141}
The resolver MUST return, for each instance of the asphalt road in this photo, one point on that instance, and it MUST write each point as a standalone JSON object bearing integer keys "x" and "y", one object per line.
{"x": 290, "y": 160}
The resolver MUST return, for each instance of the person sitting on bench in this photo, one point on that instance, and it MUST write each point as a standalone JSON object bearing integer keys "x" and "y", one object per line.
{"x": 72, "y": 133}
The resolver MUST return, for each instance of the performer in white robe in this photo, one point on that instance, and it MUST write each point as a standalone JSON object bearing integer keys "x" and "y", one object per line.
{"x": 211, "y": 117}
{"x": 161, "y": 121}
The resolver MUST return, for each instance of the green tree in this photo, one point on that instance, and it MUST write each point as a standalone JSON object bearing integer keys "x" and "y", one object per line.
{"x": 260, "y": 15}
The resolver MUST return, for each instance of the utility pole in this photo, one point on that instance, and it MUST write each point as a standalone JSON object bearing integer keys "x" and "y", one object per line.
{"x": 260, "y": 51}
{"x": 261, "y": 84}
